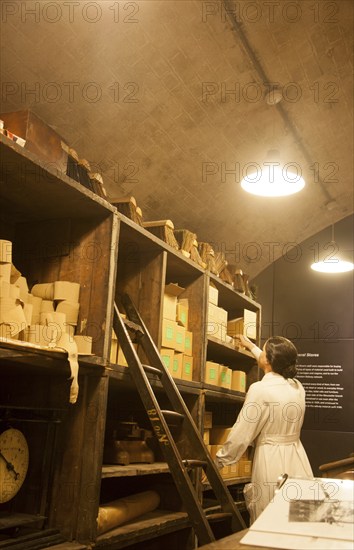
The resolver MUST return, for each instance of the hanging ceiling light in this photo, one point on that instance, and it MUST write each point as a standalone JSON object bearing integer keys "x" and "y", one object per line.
{"x": 273, "y": 179}
{"x": 332, "y": 262}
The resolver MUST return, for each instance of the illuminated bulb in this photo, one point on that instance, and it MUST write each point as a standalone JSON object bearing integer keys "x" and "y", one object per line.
{"x": 273, "y": 181}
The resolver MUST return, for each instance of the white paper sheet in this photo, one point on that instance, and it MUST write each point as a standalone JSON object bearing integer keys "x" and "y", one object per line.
{"x": 307, "y": 514}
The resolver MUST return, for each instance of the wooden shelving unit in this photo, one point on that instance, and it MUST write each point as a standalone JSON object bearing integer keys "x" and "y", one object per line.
{"x": 60, "y": 230}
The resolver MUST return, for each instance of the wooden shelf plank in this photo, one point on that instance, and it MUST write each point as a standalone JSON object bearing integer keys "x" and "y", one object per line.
{"x": 68, "y": 546}
{"x": 122, "y": 374}
{"x": 231, "y": 347}
{"x": 117, "y": 470}
{"x": 146, "y": 527}
{"x": 138, "y": 236}
{"x": 18, "y": 520}
{"x": 215, "y": 393}
{"x": 25, "y": 176}
{"x": 226, "y": 291}
{"x": 44, "y": 360}
{"x": 222, "y": 351}
{"x": 228, "y": 481}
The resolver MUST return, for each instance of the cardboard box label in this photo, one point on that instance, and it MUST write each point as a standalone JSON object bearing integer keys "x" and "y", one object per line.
{"x": 187, "y": 373}
{"x": 188, "y": 342}
{"x": 168, "y": 333}
{"x": 167, "y": 356}
{"x": 180, "y": 338}
{"x": 225, "y": 377}
{"x": 167, "y": 361}
{"x": 187, "y": 367}
{"x": 177, "y": 365}
{"x": 212, "y": 372}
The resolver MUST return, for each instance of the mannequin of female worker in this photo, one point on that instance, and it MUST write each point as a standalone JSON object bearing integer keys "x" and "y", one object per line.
{"x": 271, "y": 420}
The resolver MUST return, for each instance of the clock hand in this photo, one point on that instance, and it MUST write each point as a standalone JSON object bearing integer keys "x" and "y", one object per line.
{"x": 9, "y": 466}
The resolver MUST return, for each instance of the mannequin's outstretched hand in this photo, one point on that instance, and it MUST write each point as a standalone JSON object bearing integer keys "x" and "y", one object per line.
{"x": 244, "y": 341}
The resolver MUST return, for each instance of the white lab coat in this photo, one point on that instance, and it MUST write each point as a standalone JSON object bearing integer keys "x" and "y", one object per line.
{"x": 271, "y": 420}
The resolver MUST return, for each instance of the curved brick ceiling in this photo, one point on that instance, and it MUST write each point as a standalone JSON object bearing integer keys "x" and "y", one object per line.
{"x": 165, "y": 99}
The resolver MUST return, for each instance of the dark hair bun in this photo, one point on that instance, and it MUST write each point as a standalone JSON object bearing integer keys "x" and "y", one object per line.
{"x": 281, "y": 355}
{"x": 289, "y": 372}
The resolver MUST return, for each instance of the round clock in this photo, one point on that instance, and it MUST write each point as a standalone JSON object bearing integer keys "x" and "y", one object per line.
{"x": 13, "y": 463}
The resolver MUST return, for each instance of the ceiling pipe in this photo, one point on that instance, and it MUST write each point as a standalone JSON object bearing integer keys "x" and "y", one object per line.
{"x": 237, "y": 27}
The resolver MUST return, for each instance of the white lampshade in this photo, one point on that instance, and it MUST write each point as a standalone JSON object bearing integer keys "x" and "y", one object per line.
{"x": 332, "y": 262}
{"x": 272, "y": 179}
{"x": 334, "y": 265}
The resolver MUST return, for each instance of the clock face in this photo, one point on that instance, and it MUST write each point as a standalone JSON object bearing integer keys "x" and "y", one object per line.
{"x": 13, "y": 463}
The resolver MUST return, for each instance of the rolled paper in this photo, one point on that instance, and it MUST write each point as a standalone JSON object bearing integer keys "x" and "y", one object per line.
{"x": 5, "y": 272}
{"x": 5, "y": 290}
{"x": 6, "y": 305}
{"x": 28, "y": 312}
{"x": 14, "y": 292}
{"x": 43, "y": 290}
{"x": 14, "y": 274}
{"x": 14, "y": 316}
{"x": 65, "y": 290}
{"x": 53, "y": 317}
{"x": 37, "y": 304}
{"x": 23, "y": 286}
{"x": 71, "y": 311}
{"x": 5, "y": 251}
{"x": 42, "y": 335}
{"x": 47, "y": 305}
{"x": 124, "y": 509}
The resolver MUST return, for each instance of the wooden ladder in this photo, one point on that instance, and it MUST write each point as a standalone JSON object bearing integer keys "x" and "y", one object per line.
{"x": 181, "y": 423}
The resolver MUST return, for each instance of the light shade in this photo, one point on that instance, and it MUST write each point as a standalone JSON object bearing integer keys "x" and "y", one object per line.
{"x": 273, "y": 180}
{"x": 334, "y": 265}
{"x": 331, "y": 263}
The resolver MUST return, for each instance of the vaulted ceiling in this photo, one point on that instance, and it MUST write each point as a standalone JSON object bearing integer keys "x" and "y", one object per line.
{"x": 168, "y": 99}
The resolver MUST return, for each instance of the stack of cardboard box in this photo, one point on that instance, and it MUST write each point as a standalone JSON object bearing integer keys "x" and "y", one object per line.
{"x": 217, "y": 316}
{"x": 225, "y": 377}
{"x": 13, "y": 288}
{"x": 177, "y": 341}
{"x": 217, "y": 374}
{"x": 214, "y": 438}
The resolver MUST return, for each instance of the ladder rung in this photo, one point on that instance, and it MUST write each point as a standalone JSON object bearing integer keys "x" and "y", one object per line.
{"x": 192, "y": 463}
{"x": 219, "y": 516}
{"x": 152, "y": 370}
{"x": 173, "y": 418}
{"x": 133, "y": 326}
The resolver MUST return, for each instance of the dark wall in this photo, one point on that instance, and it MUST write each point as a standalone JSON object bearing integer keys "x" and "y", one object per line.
{"x": 315, "y": 311}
